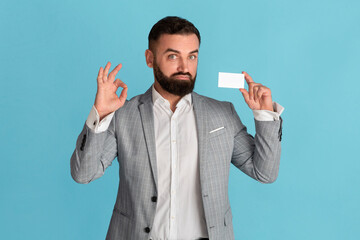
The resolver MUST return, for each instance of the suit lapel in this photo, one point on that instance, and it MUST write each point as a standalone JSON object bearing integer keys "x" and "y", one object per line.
{"x": 202, "y": 131}
{"x": 147, "y": 119}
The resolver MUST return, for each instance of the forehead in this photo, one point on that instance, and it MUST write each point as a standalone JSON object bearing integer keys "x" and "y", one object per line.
{"x": 183, "y": 43}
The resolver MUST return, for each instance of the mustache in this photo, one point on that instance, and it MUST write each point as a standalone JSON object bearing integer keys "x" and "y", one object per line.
{"x": 181, "y": 73}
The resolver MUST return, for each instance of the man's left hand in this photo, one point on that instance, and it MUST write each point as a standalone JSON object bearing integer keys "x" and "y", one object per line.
{"x": 258, "y": 97}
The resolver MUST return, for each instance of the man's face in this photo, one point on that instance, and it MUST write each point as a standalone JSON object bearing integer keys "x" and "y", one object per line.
{"x": 175, "y": 62}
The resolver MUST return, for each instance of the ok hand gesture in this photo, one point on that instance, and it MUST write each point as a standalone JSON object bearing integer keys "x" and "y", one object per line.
{"x": 258, "y": 97}
{"x": 106, "y": 100}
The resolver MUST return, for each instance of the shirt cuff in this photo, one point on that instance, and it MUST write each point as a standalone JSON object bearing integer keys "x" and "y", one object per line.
{"x": 94, "y": 123}
{"x": 265, "y": 115}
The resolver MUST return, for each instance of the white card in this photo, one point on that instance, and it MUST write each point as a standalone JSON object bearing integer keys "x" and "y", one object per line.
{"x": 231, "y": 80}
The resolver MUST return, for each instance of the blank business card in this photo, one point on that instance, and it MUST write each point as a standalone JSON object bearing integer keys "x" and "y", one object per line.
{"x": 231, "y": 80}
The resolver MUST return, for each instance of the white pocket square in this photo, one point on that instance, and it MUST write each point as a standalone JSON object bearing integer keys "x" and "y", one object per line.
{"x": 215, "y": 130}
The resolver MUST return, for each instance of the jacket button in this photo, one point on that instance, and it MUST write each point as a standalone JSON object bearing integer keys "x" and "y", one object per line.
{"x": 154, "y": 199}
{"x": 147, "y": 229}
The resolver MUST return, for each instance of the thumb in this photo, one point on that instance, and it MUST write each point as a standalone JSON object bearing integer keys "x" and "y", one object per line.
{"x": 118, "y": 83}
{"x": 245, "y": 94}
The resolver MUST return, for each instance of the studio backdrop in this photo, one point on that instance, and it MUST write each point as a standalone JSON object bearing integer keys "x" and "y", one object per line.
{"x": 306, "y": 52}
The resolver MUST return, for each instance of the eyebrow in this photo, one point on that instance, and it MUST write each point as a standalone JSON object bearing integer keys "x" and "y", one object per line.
{"x": 176, "y": 51}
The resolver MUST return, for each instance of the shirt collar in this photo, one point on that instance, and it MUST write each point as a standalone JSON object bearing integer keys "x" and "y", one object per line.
{"x": 157, "y": 97}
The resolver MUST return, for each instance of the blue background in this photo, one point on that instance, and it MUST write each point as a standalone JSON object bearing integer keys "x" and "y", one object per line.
{"x": 305, "y": 51}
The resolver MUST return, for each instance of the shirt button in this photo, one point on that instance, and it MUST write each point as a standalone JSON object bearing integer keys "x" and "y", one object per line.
{"x": 154, "y": 199}
{"x": 147, "y": 229}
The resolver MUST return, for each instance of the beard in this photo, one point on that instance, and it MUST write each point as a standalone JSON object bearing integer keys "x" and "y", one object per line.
{"x": 172, "y": 85}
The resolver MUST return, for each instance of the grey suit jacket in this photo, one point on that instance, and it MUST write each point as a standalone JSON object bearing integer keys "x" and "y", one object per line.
{"x": 130, "y": 138}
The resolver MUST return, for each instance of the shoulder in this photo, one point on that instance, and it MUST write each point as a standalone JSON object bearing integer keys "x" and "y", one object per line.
{"x": 213, "y": 105}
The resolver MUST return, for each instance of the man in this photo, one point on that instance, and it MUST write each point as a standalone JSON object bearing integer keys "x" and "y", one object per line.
{"x": 174, "y": 147}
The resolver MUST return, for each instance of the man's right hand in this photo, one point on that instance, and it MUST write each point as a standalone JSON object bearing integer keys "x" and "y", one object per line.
{"x": 107, "y": 101}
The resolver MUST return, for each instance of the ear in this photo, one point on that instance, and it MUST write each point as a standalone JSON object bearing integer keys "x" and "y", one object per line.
{"x": 149, "y": 56}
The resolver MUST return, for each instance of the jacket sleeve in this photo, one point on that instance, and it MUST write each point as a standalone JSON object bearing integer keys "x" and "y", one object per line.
{"x": 257, "y": 157}
{"x": 94, "y": 152}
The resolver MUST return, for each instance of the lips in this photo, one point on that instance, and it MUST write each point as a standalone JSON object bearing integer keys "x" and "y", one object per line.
{"x": 185, "y": 77}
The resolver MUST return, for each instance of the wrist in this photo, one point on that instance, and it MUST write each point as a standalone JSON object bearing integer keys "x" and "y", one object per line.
{"x": 100, "y": 113}
{"x": 268, "y": 108}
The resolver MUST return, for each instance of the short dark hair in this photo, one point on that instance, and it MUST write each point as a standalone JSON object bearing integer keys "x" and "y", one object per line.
{"x": 171, "y": 25}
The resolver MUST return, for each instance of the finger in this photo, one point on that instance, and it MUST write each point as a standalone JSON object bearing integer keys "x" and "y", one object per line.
{"x": 247, "y": 77}
{"x": 251, "y": 91}
{"x": 267, "y": 91}
{"x": 118, "y": 83}
{"x": 252, "y": 86}
{"x": 255, "y": 92}
{"x": 123, "y": 94}
{"x": 114, "y": 72}
{"x": 261, "y": 92}
{"x": 100, "y": 74}
{"x": 245, "y": 94}
{"x": 107, "y": 68}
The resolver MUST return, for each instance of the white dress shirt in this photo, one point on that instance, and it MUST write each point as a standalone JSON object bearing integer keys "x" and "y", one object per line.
{"x": 179, "y": 213}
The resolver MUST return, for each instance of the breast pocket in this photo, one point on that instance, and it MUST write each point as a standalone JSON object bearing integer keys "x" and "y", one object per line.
{"x": 217, "y": 131}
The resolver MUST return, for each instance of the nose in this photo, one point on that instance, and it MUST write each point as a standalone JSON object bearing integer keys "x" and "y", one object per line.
{"x": 183, "y": 65}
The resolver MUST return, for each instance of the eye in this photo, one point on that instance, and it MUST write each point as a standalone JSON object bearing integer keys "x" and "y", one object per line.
{"x": 192, "y": 57}
{"x": 172, "y": 56}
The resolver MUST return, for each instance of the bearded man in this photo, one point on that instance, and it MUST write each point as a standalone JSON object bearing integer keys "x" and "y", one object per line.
{"x": 174, "y": 146}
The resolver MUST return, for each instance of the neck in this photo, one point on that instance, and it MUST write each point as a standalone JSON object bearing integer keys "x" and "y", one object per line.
{"x": 173, "y": 99}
